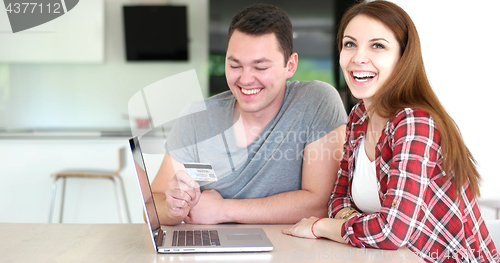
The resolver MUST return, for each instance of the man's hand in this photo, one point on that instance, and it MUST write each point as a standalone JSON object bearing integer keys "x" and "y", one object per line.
{"x": 182, "y": 194}
{"x": 209, "y": 210}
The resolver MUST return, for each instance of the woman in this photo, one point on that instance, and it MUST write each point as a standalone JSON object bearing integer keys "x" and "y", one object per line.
{"x": 406, "y": 177}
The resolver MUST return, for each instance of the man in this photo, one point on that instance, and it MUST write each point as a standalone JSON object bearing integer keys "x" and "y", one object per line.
{"x": 275, "y": 145}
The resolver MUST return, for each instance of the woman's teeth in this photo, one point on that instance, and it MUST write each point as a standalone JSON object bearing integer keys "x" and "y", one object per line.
{"x": 363, "y": 76}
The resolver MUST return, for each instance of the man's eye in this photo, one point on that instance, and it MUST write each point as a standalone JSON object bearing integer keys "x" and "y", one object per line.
{"x": 232, "y": 66}
{"x": 261, "y": 68}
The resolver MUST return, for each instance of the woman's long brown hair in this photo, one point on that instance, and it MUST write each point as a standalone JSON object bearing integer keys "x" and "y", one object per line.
{"x": 409, "y": 87}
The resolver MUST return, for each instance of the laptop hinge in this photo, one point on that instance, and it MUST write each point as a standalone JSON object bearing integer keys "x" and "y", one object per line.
{"x": 159, "y": 237}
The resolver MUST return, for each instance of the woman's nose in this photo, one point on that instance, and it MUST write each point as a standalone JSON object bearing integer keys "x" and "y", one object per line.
{"x": 360, "y": 57}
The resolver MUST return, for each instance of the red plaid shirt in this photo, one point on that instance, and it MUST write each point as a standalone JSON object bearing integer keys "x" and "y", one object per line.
{"x": 418, "y": 210}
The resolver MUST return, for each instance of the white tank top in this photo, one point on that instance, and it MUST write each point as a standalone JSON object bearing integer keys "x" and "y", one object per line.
{"x": 364, "y": 187}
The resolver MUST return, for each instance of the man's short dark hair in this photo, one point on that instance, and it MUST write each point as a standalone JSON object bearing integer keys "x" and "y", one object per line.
{"x": 260, "y": 19}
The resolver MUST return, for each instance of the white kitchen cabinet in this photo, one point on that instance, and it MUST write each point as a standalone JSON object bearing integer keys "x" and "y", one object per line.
{"x": 74, "y": 37}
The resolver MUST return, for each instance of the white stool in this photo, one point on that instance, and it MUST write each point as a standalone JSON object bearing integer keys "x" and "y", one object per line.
{"x": 114, "y": 176}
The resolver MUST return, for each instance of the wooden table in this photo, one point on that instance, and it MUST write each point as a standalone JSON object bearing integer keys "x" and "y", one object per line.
{"x": 132, "y": 243}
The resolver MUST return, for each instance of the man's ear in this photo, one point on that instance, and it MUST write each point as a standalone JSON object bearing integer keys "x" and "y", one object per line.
{"x": 291, "y": 65}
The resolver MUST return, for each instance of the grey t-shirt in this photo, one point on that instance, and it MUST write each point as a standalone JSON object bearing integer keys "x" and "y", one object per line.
{"x": 271, "y": 164}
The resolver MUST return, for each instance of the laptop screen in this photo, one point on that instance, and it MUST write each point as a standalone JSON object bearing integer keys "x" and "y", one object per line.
{"x": 140, "y": 167}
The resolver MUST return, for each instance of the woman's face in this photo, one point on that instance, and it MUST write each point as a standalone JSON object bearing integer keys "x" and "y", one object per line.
{"x": 369, "y": 54}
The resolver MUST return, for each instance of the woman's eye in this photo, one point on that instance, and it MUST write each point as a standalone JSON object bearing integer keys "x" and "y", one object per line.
{"x": 378, "y": 46}
{"x": 349, "y": 44}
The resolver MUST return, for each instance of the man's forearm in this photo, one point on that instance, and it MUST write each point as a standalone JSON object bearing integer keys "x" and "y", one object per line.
{"x": 283, "y": 208}
{"x": 166, "y": 218}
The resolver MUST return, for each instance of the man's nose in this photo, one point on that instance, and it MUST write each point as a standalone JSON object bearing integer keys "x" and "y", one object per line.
{"x": 247, "y": 76}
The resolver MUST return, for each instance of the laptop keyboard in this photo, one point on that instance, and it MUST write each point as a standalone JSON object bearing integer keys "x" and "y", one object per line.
{"x": 195, "y": 238}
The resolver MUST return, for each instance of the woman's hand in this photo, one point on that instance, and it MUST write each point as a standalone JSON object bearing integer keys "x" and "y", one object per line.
{"x": 329, "y": 228}
{"x": 302, "y": 228}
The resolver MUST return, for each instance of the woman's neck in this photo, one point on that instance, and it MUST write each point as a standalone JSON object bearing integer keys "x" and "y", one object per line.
{"x": 375, "y": 127}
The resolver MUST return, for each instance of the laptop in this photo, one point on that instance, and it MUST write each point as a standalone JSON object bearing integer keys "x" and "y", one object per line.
{"x": 178, "y": 239}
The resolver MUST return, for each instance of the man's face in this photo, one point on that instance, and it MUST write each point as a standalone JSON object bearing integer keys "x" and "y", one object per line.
{"x": 256, "y": 72}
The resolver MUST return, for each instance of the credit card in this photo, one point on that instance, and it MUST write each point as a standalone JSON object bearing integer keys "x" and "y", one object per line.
{"x": 201, "y": 172}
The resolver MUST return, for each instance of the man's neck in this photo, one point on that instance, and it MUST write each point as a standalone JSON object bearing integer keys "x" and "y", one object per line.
{"x": 248, "y": 126}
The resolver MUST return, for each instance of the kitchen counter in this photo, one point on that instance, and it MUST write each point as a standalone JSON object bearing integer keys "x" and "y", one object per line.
{"x": 94, "y": 133}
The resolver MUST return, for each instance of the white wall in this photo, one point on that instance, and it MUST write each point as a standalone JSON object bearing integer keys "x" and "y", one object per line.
{"x": 76, "y": 95}
{"x": 459, "y": 44}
